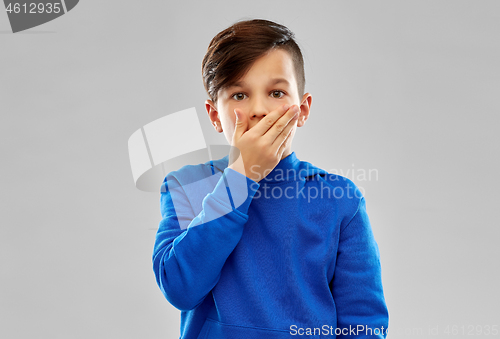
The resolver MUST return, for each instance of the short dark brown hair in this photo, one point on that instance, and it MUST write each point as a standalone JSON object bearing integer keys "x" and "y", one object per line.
{"x": 233, "y": 51}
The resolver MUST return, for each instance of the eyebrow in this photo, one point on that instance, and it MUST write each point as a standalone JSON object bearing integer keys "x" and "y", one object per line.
{"x": 272, "y": 82}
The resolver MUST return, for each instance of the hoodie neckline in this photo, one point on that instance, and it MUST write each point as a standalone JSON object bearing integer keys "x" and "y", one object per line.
{"x": 285, "y": 170}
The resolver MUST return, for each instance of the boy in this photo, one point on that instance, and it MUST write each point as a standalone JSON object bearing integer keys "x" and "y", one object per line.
{"x": 271, "y": 246}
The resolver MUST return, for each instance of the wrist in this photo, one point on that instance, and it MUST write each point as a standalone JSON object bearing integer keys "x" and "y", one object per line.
{"x": 241, "y": 169}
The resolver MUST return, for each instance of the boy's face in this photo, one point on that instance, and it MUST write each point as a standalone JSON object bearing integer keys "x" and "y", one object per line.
{"x": 258, "y": 93}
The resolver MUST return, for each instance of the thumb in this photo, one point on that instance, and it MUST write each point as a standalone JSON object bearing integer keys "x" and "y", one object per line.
{"x": 241, "y": 123}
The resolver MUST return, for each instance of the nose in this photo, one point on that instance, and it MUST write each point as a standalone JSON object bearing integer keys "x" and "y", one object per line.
{"x": 258, "y": 108}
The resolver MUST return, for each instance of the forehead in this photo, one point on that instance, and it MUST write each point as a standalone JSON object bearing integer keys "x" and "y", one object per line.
{"x": 274, "y": 67}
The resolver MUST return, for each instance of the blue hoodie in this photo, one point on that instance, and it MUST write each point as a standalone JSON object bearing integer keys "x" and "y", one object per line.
{"x": 291, "y": 255}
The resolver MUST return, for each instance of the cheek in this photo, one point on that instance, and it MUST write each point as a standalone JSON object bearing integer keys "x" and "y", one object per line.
{"x": 229, "y": 123}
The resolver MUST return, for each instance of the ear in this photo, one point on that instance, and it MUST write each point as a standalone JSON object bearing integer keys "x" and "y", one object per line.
{"x": 213, "y": 115}
{"x": 305, "y": 109}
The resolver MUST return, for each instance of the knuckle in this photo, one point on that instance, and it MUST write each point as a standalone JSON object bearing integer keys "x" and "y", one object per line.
{"x": 253, "y": 138}
{"x": 268, "y": 121}
{"x": 280, "y": 126}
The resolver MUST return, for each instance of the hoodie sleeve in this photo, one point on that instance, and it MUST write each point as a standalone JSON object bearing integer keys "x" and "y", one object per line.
{"x": 190, "y": 250}
{"x": 357, "y": 282}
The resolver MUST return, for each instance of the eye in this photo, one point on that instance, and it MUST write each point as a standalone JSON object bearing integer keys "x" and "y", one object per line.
{"x": 238, "y": 96}
{"x": 277, "y": 94}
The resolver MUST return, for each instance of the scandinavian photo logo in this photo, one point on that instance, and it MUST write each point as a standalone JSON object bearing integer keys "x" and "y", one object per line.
{"x": 24, "y": 15}
{"x": 174, "y": 141}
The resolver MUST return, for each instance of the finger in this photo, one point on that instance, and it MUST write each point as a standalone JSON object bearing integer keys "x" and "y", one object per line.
{"x": 280, "y": 129}
{"x": 269, "y": 120}
{"x": 284, "y": 138}
{"x": 284, "y": 144}
{"x": 240, "y": 125}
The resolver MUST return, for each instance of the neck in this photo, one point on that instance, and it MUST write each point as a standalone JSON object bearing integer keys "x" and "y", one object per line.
{"x": 286, "y": 153}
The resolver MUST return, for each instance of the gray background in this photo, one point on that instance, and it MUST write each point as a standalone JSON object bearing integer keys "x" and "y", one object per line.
{"x": 409, "y": 89}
